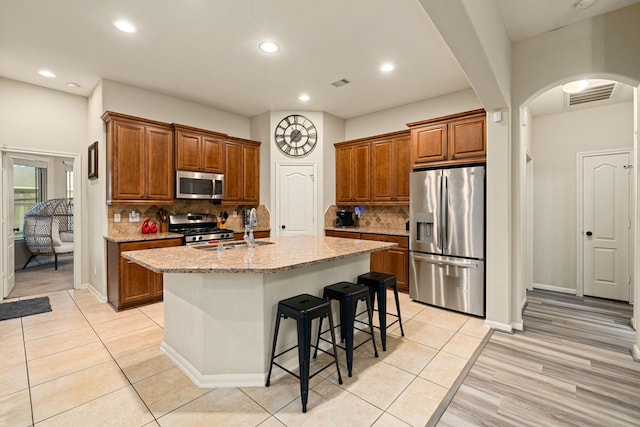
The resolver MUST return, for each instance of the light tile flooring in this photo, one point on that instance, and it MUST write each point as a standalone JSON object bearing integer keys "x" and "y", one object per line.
{"x": 84, "y": 364}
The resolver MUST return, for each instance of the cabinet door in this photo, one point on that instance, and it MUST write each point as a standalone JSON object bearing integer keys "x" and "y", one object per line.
{"x": 402, "y": 169}
{"x": 127, "y": 159}
{"x": 232, "y": 172}
{"x": 396, "y": 262}
{"x": 361, "y": 177}
{"x": 159, "y": 175}
{"x": 429, "y": 144}
{"x": 137, "y": 283}
{"x": 382, "y": 171}
{"x": 188, "y": 153}
{"x": 467, "y": 138}
{"x": 344, "y": 163}
{"x": 212, "y": 154}
{"x": 251, "y": 174}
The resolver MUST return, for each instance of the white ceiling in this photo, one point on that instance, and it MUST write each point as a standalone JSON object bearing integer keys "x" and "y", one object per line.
{"x": 206, "y": 50}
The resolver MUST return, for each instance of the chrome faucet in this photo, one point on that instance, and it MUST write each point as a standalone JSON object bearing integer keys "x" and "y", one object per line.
{"x": 249, "y": 227}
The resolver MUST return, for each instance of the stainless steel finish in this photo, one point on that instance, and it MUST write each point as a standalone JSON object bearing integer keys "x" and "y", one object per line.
{"x": 448, "y": 282}
{"x": 199, "y": 185}
{"x": 447, "y": 238}
{"x": 198, "y": 228}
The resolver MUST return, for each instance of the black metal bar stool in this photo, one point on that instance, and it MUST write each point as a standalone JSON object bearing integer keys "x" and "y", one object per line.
{"x": 378, "y": 284}
{"x": 303, "y": 308}
{"x": 348, "y": 294}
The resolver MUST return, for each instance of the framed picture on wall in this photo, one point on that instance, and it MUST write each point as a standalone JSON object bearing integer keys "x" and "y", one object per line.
{"x": 93, "y": 160}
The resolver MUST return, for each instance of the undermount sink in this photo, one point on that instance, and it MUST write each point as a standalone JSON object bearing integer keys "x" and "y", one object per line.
{"x": 232, "y": 245}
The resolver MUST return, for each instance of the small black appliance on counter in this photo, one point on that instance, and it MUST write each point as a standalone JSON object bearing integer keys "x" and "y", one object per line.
{"x": 345, "y": 219}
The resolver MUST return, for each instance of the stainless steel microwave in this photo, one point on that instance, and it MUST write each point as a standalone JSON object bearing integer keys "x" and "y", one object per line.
{"x": 199, "y": 185}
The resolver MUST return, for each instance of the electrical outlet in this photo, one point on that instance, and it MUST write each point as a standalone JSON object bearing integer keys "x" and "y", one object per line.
{"x": 234, "y": 214}
{"x": 134, "y": 216}
{"x": 116, "y": 217}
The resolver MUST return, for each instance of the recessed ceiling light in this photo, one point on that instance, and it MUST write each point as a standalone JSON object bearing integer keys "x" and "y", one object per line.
{"x": 304, "y": 98}
{"x": 386, "y": 68}
{"x": 46, "y": 73}
{"x": 584, "y": 4}
{"x": 125, "y": 26}
{"x": 73, "y": 85}
{"x": 269, "y": 47}
{"x": 575, "y": 87}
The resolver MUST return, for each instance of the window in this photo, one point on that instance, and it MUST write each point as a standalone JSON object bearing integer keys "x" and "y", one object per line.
{"x": 29, "y": 188}
{"x": 68, "y": 170}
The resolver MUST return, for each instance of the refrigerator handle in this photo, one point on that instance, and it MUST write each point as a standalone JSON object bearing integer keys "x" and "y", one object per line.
{"x": 445, "y": 213}
{"x": 440, "y": 216}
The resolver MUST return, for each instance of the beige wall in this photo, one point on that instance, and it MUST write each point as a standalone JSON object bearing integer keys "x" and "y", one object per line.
{"x": 557, "y": 139}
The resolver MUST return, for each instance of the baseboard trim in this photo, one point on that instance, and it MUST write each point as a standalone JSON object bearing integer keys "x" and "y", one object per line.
{"x": 209, "y": 380}
{"x": 95, "y": 292}
{"x": 635, "y": 353}
{"x": 504, "y": 327}
{"x": 555, "y": 288}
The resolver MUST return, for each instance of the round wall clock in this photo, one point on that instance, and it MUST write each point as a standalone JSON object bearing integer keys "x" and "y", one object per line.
{"x": 296, "y": 135}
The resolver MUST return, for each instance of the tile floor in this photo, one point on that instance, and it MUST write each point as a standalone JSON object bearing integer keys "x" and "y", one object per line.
{"x": 84, "y": 364}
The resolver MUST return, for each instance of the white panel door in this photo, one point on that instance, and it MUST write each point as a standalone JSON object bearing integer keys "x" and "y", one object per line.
{"x": 8, "y": 257}
{"x": 296, "y": 200}
{"x": 607, "y": 226}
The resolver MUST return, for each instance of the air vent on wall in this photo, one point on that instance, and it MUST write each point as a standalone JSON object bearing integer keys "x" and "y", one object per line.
{"x": 340, "y": 82}
{"x": 591, "y": 94}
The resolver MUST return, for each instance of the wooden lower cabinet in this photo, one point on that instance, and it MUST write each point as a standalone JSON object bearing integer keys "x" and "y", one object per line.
{"x": 129, "y": 284}
{"x": 256, "y": 235}
{"x": 392, "y": 261}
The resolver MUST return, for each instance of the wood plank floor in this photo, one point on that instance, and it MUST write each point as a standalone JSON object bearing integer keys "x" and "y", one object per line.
{"x": 571, "y": 366}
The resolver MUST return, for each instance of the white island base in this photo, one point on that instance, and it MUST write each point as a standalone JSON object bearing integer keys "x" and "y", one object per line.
{"x": 218, "y": 327}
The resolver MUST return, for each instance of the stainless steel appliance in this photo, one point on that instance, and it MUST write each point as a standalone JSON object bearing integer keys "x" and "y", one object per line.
{"x": 199, "y": 185}
{"x": 447, "y": 238}
{"x": 198, "y": 228}
{"x": 345, "y": 218}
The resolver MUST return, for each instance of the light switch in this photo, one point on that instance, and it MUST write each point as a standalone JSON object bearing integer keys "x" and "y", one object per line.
{"x": 134, "y": 216}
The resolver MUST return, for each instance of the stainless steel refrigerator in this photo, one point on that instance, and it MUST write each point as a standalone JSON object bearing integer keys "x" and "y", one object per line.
{"x": 447, "y": 238}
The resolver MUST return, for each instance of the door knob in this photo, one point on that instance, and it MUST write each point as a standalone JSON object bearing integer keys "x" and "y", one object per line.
{"x": 283, "y": 227}
{"x": 588, "y": 233}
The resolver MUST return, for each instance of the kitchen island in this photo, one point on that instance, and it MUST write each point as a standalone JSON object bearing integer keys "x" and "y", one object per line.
{"x": 220, "y": 307}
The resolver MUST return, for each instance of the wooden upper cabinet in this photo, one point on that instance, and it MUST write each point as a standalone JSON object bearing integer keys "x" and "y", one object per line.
{"x": 390, "y": 169}
{"x": 199, "y": 150}
{"x": 467, "y": 138}
{"x": 140, "y": 160}
{"x": 429, "y": 144}
{"x": 353, "y": 165}
{"x": 450, "y": 140}
{"x": 373, "y": 170}
{"x": 242, "y": 171}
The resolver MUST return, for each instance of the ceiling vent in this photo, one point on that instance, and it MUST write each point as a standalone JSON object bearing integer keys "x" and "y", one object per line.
{"x": 591, "y": 94}
{"x": 340, "y": 82}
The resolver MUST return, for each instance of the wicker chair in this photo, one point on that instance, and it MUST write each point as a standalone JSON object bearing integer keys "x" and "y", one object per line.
{"x": 48, "y": 229}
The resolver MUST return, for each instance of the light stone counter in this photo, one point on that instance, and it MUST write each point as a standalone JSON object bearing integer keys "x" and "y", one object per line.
{"x": 285, "y": 253}
{"x": 219, "y": 314}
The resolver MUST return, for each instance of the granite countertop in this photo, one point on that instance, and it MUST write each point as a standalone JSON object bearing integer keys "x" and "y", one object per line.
{"x": 371, "y": 230}
{"x": 285, "y": 253}
{"x": 139, "y": 237}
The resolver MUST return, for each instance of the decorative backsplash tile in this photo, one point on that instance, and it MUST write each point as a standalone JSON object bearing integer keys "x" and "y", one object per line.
{"x": 382, "y": 217}
{"x": 181, "y": 207}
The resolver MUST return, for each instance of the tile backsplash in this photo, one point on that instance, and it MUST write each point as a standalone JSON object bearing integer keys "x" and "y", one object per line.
{"x": 180, "y": 207}
{"x": 382, "y": 217}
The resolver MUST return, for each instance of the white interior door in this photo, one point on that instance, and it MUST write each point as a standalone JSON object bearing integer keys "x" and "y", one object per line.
{"x": 8, "y": 259}
{"x": 296, "y": 199}
{"x": 606, "y": 225}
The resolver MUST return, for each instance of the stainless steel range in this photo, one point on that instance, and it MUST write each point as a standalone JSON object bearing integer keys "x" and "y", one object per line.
{"x": 198, "y": 228}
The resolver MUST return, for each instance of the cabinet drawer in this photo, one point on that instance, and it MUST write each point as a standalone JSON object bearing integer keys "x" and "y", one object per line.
{"x": 150, "y": 244}
{"x": 343, "y": 234}
{"x": 403, "y": 242}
